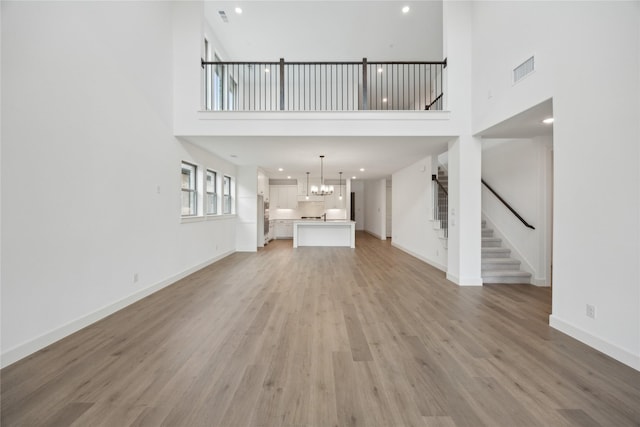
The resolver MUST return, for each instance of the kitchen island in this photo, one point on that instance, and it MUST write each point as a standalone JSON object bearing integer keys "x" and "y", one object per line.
{"x": 324, "y": 233}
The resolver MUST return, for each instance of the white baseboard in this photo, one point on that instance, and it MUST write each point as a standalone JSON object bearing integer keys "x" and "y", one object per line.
{"x": 420, "y": 257}
{"x": 620, "y": 354}
{"x": 540, "y": 282}
{"x": 375, "y": 235}
{"x": 25, "y": 349}
{"x": 464, "y": 281}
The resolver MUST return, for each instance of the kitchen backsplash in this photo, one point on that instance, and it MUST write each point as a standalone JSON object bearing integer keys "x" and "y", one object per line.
{"x": 309, "y": 209}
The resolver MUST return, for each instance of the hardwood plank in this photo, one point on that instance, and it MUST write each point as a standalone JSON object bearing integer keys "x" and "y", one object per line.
{"x": 323, "y": 337}
{"x": 349, "y": 408}
{"x": 360, "y": 350}
{"x": 238, "y": 412}
{"x": 439, "y": 422}
{"x": 578, "y": 417}
{"x": 68, "y": 414}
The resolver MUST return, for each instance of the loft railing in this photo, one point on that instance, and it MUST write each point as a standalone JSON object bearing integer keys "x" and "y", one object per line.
{"x": 322, "y": 86}
{"x": 508, "y": 206}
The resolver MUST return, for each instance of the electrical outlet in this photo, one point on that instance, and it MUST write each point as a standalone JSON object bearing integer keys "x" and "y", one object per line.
{"x": 591, "y": 311}
{"x": 135, "y": 277}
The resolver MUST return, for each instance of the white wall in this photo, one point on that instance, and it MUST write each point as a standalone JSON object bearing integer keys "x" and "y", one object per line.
{"x": 389, "y": 208}
{"x": 247, "y": 208}
{"x": 413, "y": 230}
{"x": 592, "y": 76}
{"x": 1, "y": 347}
{"x": 465, "y": 206}
{"x": 90, "y": 169}
{"x": 375, "y": 195}
{"x": 520, "y": 172}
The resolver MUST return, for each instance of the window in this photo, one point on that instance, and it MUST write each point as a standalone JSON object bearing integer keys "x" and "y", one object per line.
{"x": 212, "y": 194}
{"x": 189, "y": 189}
{"x": 217, "y": 84}
{"x": 233, "y": 90}
{"x": 207, "y": 76}
{"x": 228, "y": 200}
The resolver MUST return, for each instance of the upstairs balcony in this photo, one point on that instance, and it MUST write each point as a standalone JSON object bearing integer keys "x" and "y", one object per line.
{"x": 322, "y": 86}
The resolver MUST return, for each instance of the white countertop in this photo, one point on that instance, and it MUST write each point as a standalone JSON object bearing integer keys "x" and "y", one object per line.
{"x": 321, "y": 222}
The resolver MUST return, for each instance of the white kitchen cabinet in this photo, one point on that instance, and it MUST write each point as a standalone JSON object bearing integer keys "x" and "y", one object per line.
{"x": 263, "y": 185}
{"x": 333, "y": 201}
{"x": 283, "y": 229}
{"x": 284, "y": 196}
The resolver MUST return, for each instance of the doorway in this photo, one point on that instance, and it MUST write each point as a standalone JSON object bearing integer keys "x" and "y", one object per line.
{"x": 352, "y": 210}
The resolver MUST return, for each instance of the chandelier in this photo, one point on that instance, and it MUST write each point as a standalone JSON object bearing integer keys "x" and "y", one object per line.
{"x": 324, "y": 190}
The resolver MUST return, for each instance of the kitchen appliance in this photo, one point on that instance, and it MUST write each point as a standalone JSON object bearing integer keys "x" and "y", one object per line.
{"x": 263, "y": 222}
{"x": 266, "y": 222}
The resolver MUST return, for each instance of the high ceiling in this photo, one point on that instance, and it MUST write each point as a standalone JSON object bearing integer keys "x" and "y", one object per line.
{"x": 334, "y": 30}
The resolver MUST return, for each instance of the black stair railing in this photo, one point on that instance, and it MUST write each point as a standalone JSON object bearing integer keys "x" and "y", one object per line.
{"x": 323, "y": 86}
{"x": 513, "y": 211}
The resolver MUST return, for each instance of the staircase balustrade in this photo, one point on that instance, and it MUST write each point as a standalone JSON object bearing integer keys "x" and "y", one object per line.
{"x": 440, "y": 205}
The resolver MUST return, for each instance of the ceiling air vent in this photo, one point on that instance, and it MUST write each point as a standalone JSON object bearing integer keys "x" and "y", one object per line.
{"x": 223, "y": 16}
{"x": 523, "y": 70}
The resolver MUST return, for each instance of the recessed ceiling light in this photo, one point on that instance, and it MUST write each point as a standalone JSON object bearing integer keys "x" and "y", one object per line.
{"x": 280, "y": 169}
{"x": 353, "y": 177}
{"x": 288, "y": 176}
{"x": 548, "y": 121}
{"x": 405, "y": 9}
{"x": 384, "y": 99}
{"x": 361, "y": 169}
{"x": 380, "y": 69}
{"x": 238, "y": 10}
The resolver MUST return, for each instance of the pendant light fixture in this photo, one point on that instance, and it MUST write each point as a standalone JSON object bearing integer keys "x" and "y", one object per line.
{"x": 307, "y": 185}
{"x": 340, "y": 183}
{"x": 324, "y": 190}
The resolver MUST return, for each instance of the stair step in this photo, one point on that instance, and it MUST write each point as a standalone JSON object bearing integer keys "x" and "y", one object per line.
{"x": 487, "y": 232}
{"x": 506, "y": 276}
{"x": 495, "y": 252}
{"x": 489, "y": 264}
{"x": 483, "y": 223}
{"x": 491, "y": 242}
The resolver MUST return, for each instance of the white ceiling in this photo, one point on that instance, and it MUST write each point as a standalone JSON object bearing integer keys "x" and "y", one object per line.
{"x": 380, "y": 156}
{"x": 527, "y": 124}
{"x": 334, "y": 30}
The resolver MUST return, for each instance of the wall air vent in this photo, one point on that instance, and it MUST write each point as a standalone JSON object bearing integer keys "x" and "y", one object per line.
{"x": 223, "y": 16}
{"x": 523, "y": 70}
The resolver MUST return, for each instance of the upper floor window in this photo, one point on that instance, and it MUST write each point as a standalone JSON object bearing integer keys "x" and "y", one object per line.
{"x": 233, "y": 92}
{"x": 189, "y": 189}
{"x": 207, "y": 77}
{"x": 218, "y": 73}
{"x": 212, "y": 193}
{"x": 228, "y": 199}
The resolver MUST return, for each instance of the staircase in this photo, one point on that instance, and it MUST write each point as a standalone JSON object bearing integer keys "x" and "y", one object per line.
{"x": 497, "y": 266}
{"x": 441, "y": 205}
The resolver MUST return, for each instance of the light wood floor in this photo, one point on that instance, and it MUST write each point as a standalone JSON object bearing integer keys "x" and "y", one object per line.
{"x": 323, "y": 337}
